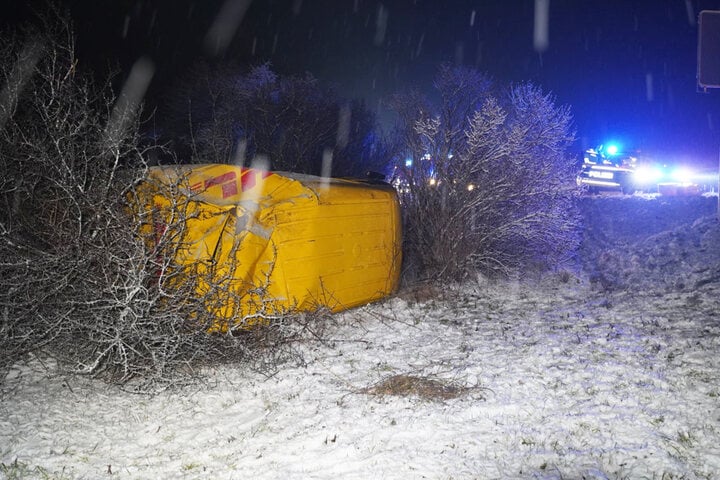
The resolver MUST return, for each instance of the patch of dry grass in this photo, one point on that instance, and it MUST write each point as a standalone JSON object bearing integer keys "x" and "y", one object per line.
{"x": 404, "y": 385}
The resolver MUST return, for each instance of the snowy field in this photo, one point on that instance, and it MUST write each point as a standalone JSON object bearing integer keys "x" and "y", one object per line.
{"x": 611, "y": 372}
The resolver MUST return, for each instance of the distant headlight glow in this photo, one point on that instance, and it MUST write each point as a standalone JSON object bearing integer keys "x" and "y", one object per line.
{"x": 682, "y": 175}
{"x": 647, "y": 175}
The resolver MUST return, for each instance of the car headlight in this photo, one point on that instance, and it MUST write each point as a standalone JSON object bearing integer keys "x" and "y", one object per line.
{"x": 682, "y": 175}
{"x": 647, "y": 175}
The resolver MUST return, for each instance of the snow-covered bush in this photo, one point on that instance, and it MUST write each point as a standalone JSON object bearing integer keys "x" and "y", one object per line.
{"x": 484, "y": 177}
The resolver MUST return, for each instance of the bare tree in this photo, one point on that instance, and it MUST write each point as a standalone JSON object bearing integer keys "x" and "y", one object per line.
{"x": 485, "y": 179}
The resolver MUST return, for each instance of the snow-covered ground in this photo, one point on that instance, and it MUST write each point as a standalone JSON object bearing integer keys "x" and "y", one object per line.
{"x": 569, "y": 376}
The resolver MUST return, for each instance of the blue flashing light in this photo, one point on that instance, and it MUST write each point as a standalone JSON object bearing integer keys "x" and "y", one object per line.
{"x": 408, "y": 162}
{"x": 612, "y": 149}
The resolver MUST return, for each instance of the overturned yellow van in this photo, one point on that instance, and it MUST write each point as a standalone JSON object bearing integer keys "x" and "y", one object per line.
{"x": 265, "y": 243}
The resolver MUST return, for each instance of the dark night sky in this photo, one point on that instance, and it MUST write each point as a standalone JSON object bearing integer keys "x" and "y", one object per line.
{"x": 627, "y": 68}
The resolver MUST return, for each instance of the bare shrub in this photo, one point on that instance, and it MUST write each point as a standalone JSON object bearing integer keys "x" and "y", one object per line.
{"x": 230, "y": 115}
{"x": 484, "y": 178}
{"x": 71, "y": 267}
{"x": 80, "y": 279}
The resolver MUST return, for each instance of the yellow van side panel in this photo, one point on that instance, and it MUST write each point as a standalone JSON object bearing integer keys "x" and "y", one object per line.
{"x": 269, "y": 243}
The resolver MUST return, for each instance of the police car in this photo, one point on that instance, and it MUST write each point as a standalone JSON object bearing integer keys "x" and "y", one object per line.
{"x": 607, "y": 170}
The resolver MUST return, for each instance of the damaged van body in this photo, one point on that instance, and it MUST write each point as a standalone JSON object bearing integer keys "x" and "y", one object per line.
{"x": 266, "y": 243}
